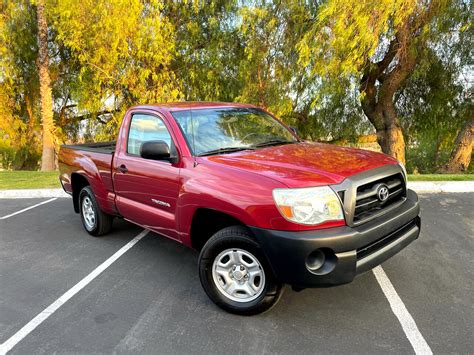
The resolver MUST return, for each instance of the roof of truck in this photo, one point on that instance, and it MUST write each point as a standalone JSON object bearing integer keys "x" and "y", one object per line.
{"x": 188, "y": 105}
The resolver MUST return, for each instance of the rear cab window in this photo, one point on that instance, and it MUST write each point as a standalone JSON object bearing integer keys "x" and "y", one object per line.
{"x": 144, "y": 128}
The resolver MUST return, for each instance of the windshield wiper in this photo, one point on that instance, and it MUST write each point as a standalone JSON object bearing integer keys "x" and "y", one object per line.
{"x": 272, "y": 142}
{"x": 225, "y": 150}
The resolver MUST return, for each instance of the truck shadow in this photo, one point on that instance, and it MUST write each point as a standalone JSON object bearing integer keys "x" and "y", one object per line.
{"x": 180, "y": 306}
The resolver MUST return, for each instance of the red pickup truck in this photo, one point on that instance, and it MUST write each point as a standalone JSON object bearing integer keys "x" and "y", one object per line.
{"x": 263, "y": 207}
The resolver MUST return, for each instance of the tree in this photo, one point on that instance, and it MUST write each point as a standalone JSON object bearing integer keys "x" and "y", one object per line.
{"x": 436, "y": 100}
{"x": 462, "y": 152}
{"x": 208, "y": 49}
{"x": 121, "y": 60}
{"x": 335, "y": 69}
{"x": 271, "y": 77}
{"x": 20, "y": 139}
{"x": 48, "y": 154}
{"x": 378, "y": 44}
{"x": 432, "y": 109}
{"x": 268, "y": 70}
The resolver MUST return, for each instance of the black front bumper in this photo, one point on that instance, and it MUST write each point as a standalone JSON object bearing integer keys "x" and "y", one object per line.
{"x": 349, "y": 251}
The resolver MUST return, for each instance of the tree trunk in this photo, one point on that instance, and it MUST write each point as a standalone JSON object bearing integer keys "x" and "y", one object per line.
{"x": 390, "y": 136}
{"x": 392, "y": 142}
{"x": 47, "y": 157}
{"x": 378, "y": 89}
{"x": 381, "y": 80}
{"x": 462, "y": 152}
{"x": 382, "y": 114}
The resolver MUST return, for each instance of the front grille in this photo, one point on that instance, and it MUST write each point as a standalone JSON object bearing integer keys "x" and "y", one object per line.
{"x": 368, "y": 204}
{"x": 385, "y": 240}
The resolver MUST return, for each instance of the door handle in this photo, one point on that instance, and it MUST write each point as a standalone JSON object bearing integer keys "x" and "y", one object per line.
{"x": 122, "y": 168}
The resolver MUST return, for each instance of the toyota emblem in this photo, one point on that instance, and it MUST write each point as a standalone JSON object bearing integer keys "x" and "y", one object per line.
{"x": 382, "y": 193}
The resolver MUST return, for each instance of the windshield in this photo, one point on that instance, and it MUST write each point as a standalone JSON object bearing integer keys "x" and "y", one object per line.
{"x": 225, "y": 130}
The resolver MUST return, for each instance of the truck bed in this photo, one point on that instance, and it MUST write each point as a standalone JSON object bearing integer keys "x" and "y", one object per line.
{"x": 94, "y": 162}
{"x": 101, "y": 147}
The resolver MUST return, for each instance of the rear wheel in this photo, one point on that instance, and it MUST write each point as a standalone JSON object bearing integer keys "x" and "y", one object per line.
{"x": 235, "y": 274}
{"x": 95, "y": 221}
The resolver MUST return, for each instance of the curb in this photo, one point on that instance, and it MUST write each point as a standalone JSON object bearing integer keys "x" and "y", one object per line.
{"x": 418, "y": 186}
{"x": 441, "y": 186}
{"x": 33, "y": 193}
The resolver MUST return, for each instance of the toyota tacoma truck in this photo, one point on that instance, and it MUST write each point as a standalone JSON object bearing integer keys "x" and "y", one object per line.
{"x": 263, "y": 207}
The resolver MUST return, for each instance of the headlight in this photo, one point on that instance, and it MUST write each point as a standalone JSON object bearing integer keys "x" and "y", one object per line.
{"x": 312, "y": 205}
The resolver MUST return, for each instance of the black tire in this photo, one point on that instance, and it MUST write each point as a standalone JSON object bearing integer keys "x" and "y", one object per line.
{"x": 102, "y": 221}
{"x": 237, "y": 238}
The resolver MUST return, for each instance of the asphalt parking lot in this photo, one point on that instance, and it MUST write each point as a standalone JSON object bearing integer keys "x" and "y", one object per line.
{"x": 150, "y": 300}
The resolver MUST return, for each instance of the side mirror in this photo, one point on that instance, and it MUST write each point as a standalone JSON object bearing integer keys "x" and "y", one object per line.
{"x": 156, "y": 150}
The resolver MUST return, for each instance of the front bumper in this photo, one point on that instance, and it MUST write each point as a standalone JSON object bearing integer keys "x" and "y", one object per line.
{"x": 349, "y": 251}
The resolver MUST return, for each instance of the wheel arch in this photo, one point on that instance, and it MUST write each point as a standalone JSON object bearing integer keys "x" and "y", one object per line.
{"x": 78, "y": 182}
{"x": 206, "y": 222}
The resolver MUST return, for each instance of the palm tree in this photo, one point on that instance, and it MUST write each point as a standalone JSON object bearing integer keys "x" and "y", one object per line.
{"x": 47, "y": 157}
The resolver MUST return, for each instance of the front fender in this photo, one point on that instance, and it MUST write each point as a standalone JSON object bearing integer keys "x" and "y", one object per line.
{"x": 249, "y": 201}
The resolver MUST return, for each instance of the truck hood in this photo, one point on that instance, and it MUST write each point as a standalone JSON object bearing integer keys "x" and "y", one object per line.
{"x": 303, "y": 164}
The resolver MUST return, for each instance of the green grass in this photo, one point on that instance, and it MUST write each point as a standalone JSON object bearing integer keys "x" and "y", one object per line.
{"x": 29, "y": 180}
{"x": 43, "y": 180}
{"x": 441, "y": 177}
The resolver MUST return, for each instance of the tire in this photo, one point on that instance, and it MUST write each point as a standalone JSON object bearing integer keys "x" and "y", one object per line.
{"x": 95, "y": 222}
{"x": 235, "y": 273}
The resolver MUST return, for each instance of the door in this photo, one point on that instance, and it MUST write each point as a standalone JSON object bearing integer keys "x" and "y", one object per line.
{"x": 147, "y": 190}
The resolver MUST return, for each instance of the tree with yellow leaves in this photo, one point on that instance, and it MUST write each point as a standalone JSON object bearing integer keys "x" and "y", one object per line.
{"x": 378, "y": 43}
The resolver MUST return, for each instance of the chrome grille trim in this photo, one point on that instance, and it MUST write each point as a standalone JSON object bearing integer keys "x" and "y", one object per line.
{"x": 371, "y": 193}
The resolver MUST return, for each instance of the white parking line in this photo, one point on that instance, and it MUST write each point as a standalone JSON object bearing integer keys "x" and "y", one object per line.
{"x": 28, "y": 208}
{"x": 412, "y": 332}
{"x": 53, "y": 307}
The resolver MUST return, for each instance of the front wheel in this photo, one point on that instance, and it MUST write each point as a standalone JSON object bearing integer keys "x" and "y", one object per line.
{"x": 235, "y": 274}
{"x": 95, "y": 221}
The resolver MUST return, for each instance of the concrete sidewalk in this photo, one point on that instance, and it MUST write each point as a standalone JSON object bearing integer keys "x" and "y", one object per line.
{"x": 418, "y": 186}
{"x": 33, "y": 193}
{"x": 441, "y": 186}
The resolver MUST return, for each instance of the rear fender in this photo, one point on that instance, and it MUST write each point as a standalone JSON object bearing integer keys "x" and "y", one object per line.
{"x": 95, "y": 178}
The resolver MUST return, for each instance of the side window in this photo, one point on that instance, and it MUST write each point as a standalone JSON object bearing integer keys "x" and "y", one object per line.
{"x": 144, "y": 128}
